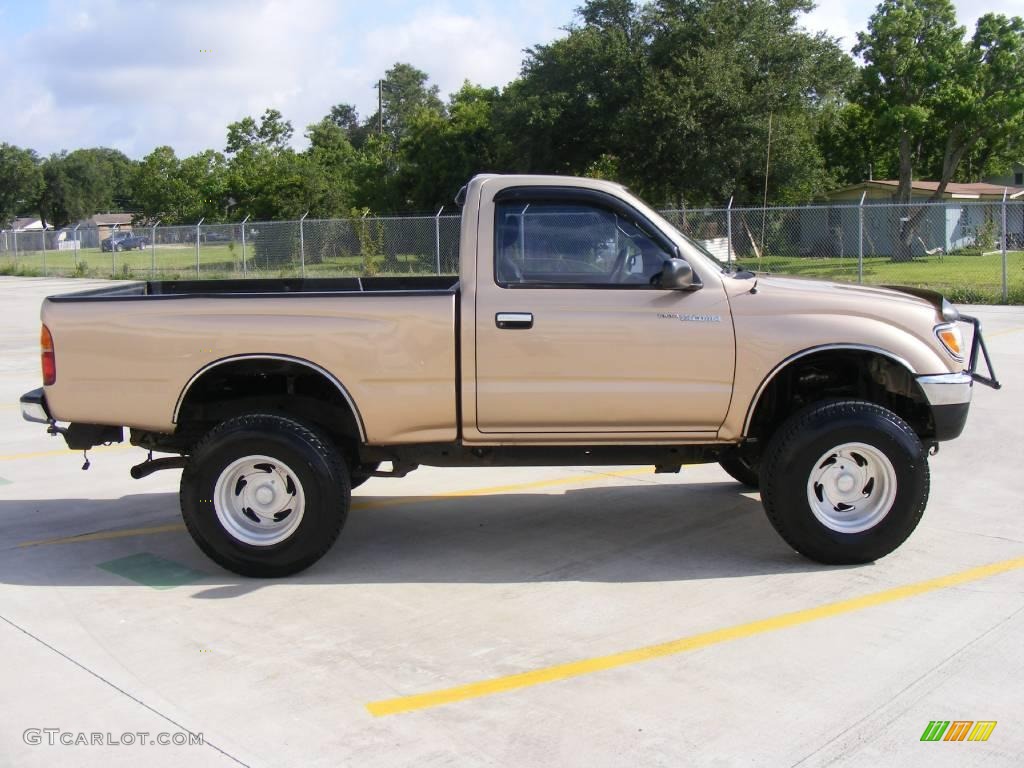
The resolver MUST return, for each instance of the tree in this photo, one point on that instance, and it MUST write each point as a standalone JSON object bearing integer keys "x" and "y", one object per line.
{"x": 331, "y": 174}
{"x": 440, "y": 153}
{"x": 155, "y": 186}
{"x": 723, "y": 77}
{"x": 675, "y": 98}
{"x": 851, "y": 147}
{"x": 572, "y": 104}
{"x": 21, "y": 182}
{"x": 927, "y": 88}
{"x": 404, "y": 92}
{"x": 202, "y": 184}
{"x": 80, "y": 183}
{"x": 272, "y": 132}
{"x": 346, "y": 117}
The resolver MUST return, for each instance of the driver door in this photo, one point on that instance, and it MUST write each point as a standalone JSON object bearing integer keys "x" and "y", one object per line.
{"x": 573, "y": 338}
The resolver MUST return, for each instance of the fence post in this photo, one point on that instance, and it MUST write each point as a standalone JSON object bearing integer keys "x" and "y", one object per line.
{"x": 302, "y": 243}
{"x": 15, "y": 233}
{"x": 113, "y": 252}
{"x": 728, "y": 229}
{"x": 860, "y": 238}
{"x": 152, "y": 249}
{"x": 78, "y": 244}
{"x": 243, "y": 245}
{"x": 197, "y": 245}
{"x": 43, "y": 234}
{"x": 1006, "y": 287}
{"x": 437, "y": 238}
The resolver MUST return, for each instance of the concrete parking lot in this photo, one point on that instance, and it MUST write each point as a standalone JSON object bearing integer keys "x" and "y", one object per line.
{"x": 513, "y": 617}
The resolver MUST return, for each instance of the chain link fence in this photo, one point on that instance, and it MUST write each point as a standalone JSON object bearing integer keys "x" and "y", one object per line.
{"x": 971, "y": 251}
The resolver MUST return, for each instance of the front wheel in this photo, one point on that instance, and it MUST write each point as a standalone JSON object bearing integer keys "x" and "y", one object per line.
{"x": 264, "y": 495}
{"x": 844, "y": 482}
{"x": 741, "y": 469}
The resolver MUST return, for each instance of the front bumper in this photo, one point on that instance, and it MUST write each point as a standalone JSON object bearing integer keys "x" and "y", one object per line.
{"x": 949, "y": 394}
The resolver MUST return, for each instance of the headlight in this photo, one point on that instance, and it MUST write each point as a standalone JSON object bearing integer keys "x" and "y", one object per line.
{"x": 952, "y": 340}
{"x": 949, "y": 313}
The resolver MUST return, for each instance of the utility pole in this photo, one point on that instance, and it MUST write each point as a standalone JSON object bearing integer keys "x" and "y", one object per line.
{"x": 380, "y": 107}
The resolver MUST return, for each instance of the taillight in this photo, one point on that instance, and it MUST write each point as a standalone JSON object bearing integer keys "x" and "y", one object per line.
{"x": 48, "y": 358}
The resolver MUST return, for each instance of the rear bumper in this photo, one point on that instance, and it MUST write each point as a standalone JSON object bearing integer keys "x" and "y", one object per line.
{"x": 33, "y": 407}
{"x": 79, "y": 437}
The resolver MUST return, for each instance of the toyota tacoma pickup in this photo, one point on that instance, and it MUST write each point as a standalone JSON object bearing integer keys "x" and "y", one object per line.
{"x": 582, "y": 329}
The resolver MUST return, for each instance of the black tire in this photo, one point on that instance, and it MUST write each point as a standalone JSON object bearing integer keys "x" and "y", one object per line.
{"x": 362, "y": 472}
{"x": 793, "y": 454}
{"x": 319, "y": 472}
{"x": 741, "y": 470}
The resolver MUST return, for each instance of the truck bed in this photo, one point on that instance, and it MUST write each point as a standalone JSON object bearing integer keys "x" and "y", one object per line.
{"x": 320, "y": 286}
{"x": 128, "y": 353}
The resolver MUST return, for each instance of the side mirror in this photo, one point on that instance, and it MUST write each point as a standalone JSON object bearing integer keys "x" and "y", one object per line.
{"x": 677, "y": 275}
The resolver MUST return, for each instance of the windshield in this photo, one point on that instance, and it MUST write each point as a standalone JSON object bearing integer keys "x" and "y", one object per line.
{"x": 694, "y": 244}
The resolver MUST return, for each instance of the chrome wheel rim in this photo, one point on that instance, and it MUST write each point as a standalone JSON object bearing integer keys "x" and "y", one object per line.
{"x": 851, "y": 488}
{"x": 259, "y": 500}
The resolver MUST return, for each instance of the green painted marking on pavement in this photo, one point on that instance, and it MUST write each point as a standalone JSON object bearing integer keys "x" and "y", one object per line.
{"x": 152, "y": 571}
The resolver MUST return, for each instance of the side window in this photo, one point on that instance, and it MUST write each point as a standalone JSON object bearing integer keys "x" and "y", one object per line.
{"x": 555, "y": 244}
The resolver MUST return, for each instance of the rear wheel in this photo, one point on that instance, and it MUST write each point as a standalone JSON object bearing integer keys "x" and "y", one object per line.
{"x": 363, "y": 472}
{"x": 845, "y": 482}
{"x": 264, "y": 495}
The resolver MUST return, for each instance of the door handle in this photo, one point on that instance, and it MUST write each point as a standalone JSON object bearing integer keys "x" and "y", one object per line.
{"x": 514, "y": 320}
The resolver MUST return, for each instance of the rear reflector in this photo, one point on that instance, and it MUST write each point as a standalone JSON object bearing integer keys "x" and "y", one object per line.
{"x": 48, "y": 358}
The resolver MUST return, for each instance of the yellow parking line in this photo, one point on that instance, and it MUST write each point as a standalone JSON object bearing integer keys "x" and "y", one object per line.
{"x": 392, "y": 502}
{"x": 121, "y": 533}
{"x": 64, "y": 452}
{"x": 693, "y": 642}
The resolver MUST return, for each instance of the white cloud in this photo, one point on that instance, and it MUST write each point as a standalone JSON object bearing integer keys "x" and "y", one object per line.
{"x": 137, "y": 75}
{"x": 134, "y": 74}
{"x": 450, "y": 48}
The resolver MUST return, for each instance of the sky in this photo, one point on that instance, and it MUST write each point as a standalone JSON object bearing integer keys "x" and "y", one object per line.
{"x": 136, "y": 74}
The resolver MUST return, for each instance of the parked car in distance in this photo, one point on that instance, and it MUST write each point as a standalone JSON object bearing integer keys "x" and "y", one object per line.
{"x": 123, "y": 241}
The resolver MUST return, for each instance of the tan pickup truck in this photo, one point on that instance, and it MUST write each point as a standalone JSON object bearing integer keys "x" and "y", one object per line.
{"x": 583, "y": 329}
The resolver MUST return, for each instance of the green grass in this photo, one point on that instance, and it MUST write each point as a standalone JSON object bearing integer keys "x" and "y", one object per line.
{"x": 962, "y": 277}
{"x": 965, "y": 278}
{"x": 179, "y": 262}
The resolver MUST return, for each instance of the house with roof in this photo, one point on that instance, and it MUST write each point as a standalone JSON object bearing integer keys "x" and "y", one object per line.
{"x": 965, "y": 215}
{"x": 28, "y": 224}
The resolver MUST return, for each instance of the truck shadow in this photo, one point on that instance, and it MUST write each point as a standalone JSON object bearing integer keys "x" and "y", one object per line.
{"x": 649, "y": 533}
